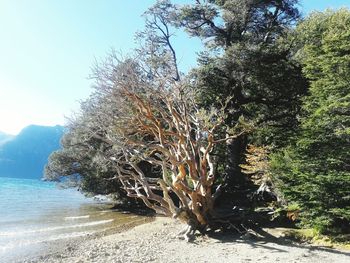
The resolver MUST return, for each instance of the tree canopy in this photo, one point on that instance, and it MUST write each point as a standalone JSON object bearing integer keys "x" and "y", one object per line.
{"x": 263, "y": 120}
{"x": 315, "y": 172}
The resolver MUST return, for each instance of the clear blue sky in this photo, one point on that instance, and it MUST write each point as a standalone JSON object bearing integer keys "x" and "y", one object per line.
{"x": 47, "y": 48}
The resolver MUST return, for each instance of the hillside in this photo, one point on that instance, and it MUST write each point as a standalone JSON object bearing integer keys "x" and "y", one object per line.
{"x": 25, "y": 155}
{"x": 4, "y": 137}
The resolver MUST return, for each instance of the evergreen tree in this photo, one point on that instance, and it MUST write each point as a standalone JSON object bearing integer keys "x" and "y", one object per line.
{"x": 249, "y": 59}
{"x": 316, "y": 174}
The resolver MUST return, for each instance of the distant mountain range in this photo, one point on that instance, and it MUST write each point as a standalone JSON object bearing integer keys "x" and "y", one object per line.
{"x": 25, "y": 155}
{"x": 4, "y": 137}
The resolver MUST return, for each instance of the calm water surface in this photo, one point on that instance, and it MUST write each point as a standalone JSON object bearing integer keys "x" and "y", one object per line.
{"x": 33, "y": 213}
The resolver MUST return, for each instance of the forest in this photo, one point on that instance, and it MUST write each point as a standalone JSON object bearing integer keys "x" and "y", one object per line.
{"x": 258, "y": 131}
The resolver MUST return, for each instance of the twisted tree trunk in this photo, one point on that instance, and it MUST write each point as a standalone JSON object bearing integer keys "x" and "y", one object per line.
{"x": 165, "y": 129}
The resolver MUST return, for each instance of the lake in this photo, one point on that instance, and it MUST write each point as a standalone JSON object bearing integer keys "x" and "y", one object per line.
{"x": 34, "y": 213}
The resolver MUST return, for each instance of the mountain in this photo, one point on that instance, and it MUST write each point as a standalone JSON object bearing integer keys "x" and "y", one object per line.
{"x": 25, "y": 155}
{"x": 4, "y": 137}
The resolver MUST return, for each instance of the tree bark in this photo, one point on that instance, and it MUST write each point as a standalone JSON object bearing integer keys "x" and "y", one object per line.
{"x": 235, "y": 154}
{"x": 237, "y": 187}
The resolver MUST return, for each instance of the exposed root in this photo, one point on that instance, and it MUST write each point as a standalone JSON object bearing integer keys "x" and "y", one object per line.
{"x": 187, "y": 233}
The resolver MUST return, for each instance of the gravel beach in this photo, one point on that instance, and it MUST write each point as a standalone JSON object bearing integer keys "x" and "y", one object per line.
{"x": 157, "y": 242}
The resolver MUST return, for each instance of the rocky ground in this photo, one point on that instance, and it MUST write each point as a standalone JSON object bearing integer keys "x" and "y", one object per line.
{"x": 157, "y": 242}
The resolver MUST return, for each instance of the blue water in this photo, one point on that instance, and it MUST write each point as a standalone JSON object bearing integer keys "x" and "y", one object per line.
{"x": 33, "y": 213}
{"x": 26, "y": 199}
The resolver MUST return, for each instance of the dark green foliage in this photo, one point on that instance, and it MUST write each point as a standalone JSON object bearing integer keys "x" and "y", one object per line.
{"x": 290, "y": 84}
{"x": 249, "y": 64}
{"x": 225, "y": 22}
{"x": 316, "y": 172}
{"x": 265, "y": 83}
{"x": 250, "y": 58}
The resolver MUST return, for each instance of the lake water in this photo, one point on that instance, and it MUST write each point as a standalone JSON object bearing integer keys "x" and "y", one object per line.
{"x": 33, "y": 213}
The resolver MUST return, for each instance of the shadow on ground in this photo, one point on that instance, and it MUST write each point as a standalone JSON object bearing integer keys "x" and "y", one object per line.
{"x": 260, "y": 238}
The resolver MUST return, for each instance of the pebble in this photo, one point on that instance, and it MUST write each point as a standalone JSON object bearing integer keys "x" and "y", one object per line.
{"x": 163, "y": 246}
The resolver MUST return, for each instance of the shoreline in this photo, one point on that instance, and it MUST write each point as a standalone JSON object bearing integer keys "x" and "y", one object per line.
{"x": 52, "y": 249}
{"x": 156, "y": 241}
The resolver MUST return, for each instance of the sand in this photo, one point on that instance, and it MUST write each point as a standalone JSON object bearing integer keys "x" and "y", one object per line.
{"x": 157, "y": 242}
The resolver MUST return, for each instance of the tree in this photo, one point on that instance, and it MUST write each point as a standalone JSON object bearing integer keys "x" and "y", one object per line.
{"x": 143, "y": 122}
{"x": 81, "y": 162}
{"x": 315, "y": 173}
{"x": 249, "y": 58}
{"x": 147, "y": 128}
{"x": 163, "y": 126}
{"x": 142, "y": 114}
{"x": 84, "y": 160}
{"x": 86, "y": 153}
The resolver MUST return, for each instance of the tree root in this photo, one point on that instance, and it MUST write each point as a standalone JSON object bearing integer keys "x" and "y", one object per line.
{"x": 187, "y": 233}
